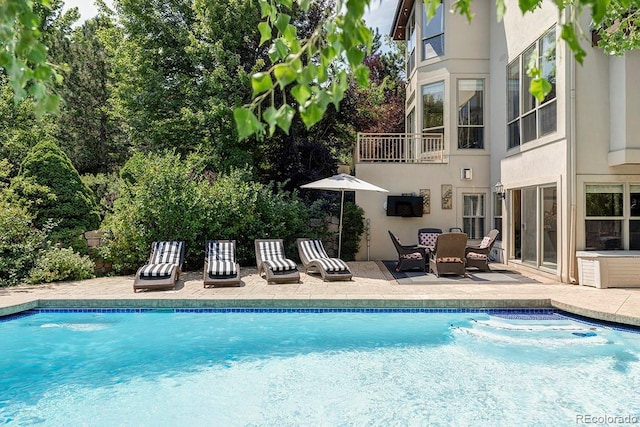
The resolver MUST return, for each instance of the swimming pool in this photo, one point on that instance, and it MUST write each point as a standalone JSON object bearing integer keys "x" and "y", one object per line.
{"x": 314, "y": 367}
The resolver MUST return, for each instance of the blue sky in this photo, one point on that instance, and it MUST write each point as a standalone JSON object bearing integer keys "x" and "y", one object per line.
{"x": 379, "y": 15}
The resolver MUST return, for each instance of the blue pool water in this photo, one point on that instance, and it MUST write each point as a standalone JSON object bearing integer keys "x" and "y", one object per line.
{"x": 294, "y": 368}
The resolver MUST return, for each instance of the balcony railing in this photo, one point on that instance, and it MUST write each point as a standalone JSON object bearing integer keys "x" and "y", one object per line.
{"x": 400, "y": 148}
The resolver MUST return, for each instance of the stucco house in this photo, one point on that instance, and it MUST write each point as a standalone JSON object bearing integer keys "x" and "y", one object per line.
{"x": 557, "y": 177}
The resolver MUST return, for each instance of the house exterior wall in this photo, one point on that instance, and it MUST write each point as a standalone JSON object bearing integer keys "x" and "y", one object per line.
{"x": 596, "y": 142}
{"x": 466, "y": 56}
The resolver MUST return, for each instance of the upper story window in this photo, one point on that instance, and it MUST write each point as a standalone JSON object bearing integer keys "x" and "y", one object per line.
{"x": 433, "y": 108}
{"x": 527, "y": 118}
{"x": 433, "y": 34}
{"x": 411, "y": 43}
{"x": 471, "y": 113}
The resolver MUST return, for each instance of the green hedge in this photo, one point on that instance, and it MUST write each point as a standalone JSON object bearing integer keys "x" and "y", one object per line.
{"x": 166, "y": 197}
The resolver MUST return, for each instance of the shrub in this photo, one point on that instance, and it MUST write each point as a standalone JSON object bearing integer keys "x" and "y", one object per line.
{"x": 20, "y": 243}
{"x": 165, "y": 197}
{"x": 73, "y": 204}
{"x": 57, "y": 264}
{"x": 352, "y": 229}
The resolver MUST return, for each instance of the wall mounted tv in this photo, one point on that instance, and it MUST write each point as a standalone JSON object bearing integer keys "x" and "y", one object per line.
{"x": 406, "y": 206}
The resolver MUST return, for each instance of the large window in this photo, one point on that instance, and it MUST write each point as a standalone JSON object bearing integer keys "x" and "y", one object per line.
{"x": 410, "y": 125}
{"x": 527, "y": 118}
{"x": 470, "y": 113}
{"x": 433, "y": 108}
{"x": 433, "y": 35}
{"x": 473, "y": 215}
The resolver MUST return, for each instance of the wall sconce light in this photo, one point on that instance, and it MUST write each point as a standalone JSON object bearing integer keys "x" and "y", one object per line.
{"x": 500, "y": 190}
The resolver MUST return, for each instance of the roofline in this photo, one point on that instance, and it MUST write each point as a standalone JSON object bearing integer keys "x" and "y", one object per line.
{"x": 400, "y": 19}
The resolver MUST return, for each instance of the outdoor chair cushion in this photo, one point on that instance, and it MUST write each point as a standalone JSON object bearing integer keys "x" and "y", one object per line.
{"x": 221, "y": 260}
{"x": 449, "y": 259}
{"x": 272, "y": 255}
{"x": 154, "y": 271}
{"x": 474, "y": 255}
{"x": 414, "y": 255}
{"x": 486, "y": 241}
{"x": 428, "y": 239}
{"x": 314, "y": 251}
{"x": 167, "y": 253}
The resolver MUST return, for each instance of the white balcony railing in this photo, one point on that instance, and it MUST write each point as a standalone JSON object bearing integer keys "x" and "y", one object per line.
{"x": 400, "y": 148}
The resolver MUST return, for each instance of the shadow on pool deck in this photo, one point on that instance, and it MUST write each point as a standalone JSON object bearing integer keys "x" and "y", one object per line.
{"x": 372, "y": 286}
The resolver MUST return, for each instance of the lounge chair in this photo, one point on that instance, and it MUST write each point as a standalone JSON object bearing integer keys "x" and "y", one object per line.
{"x": 478, "y": 255}
{"x": 409, "y": 256}
{"x": 272, "y": 262}
{"x": 163, "y": 268}
{"x": 427, "y": 237}
{"x": 220, "y": 266}
{"x": 315, "y": 260}
{"x": 447, "y": 256}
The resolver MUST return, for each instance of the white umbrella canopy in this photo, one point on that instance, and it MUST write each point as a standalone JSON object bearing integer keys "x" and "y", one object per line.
{"x": 342, "y": 182}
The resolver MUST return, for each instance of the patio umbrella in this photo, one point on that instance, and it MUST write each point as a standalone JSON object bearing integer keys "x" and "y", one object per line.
{"x": 342, "y": 182}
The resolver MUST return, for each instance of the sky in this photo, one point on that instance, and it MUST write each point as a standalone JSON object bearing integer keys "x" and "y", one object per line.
{"x": 379, "y": 15}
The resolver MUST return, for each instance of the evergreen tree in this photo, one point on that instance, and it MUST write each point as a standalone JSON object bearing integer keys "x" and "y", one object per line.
{"x": 73, "y": 205}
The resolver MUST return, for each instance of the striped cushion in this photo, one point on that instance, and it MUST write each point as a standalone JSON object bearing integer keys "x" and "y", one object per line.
{"x": 314, "y": 251}
{"x": 155, "y": 271}
{"x": 272, "y": 255}
{"x": 221, "y": 259}
{"x": 167, "y": 253}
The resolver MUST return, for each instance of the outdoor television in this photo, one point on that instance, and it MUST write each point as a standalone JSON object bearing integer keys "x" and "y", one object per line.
{"x": 407, "y": 206}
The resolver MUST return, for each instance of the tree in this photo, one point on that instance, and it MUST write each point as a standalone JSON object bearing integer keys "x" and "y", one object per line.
{"x": 302, "y": 61}
{"x": 88, "y": 133}
{"x": 72, "y": 205}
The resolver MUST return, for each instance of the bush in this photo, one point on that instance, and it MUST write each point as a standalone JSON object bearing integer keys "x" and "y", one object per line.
{"x": 20, "y": 243}
{"x": 105, "y": 188}
{"x": 352, "y": 229}
{"x": 73, "y": 204}
{"x": 57, "y": 264}
{"x": 165, "y": 197}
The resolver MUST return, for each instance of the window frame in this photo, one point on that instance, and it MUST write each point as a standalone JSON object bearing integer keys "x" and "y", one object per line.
{"x": 478, "y": 221}
{"x": 478, "y": 145}
{"x": 527, "y": 118}
{"x": 434, "y": 129}
{"x": 620, "y": 218}
{"x": 428, "y": 36}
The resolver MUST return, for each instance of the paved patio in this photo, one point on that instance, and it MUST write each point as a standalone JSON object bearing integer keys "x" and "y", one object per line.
{"x": 372, "y": 286}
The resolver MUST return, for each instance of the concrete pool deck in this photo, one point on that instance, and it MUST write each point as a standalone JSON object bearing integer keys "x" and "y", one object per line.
{"x": 372, "y": 286}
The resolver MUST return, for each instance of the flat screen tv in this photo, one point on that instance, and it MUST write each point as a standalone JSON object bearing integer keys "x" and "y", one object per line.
{"x": 406, "y": 206}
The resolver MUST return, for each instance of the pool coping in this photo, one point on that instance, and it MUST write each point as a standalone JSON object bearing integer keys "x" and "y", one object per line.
{"x": 454, "y": 304}
{"x": 371, "y": 287}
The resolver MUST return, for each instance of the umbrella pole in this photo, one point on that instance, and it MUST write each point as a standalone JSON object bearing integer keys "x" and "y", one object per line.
{"x": 340, "y": 226}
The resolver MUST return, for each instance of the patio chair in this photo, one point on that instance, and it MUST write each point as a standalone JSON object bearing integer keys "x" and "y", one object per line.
{"x": 447, "y": 256}
{"x": 163, "y": 268}
{"x": 220, "y": 266}
{"x": 272, "y": 262}
{"x": 315, "y": 260}
{"x": 478, "y": 255}
{"x": 409, "y": 256}
{"x": 427, "y": 237}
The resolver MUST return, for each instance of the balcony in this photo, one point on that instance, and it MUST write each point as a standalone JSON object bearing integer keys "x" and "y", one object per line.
{"x": 400, "y": 148}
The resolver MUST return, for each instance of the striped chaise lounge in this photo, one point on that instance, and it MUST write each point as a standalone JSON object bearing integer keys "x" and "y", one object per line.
{"x": 163, "y": 268}
{"x": 315, "y": 260}
{"x": 220, "y": 266}
{"x": 272, "y": 262}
